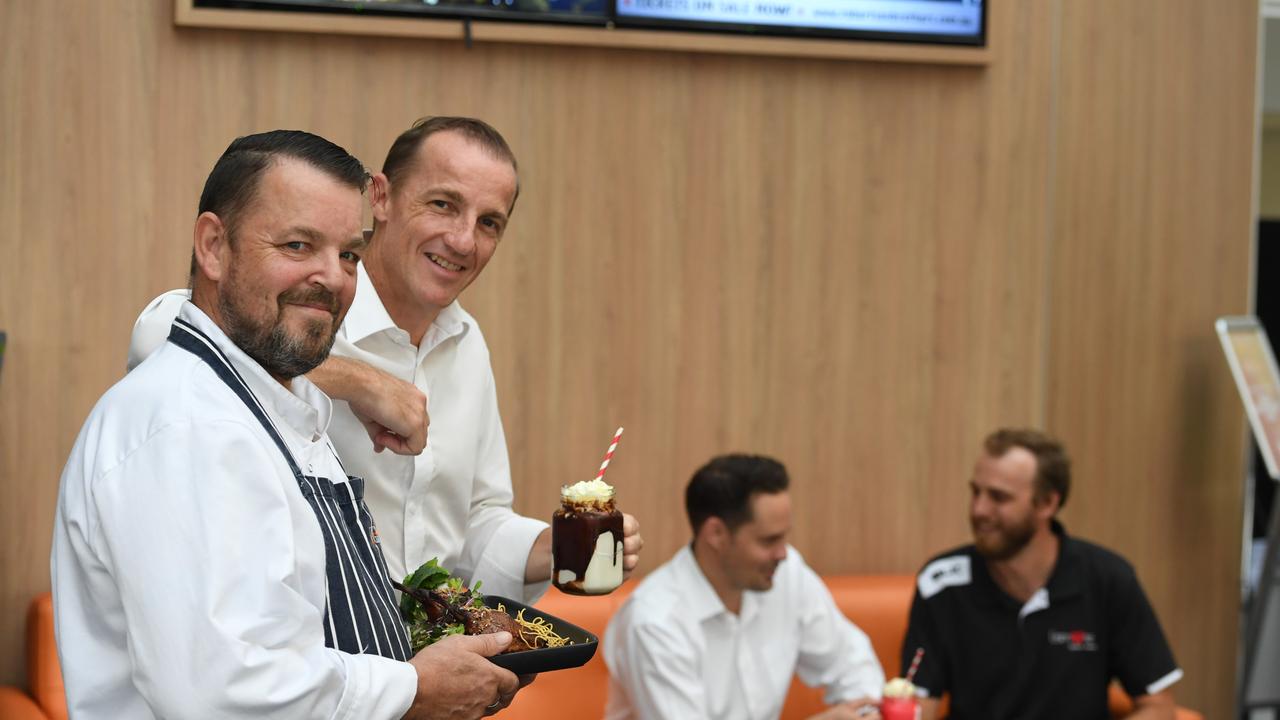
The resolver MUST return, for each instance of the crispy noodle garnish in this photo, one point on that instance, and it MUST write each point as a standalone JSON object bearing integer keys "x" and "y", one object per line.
{"x": 539, "y": 629}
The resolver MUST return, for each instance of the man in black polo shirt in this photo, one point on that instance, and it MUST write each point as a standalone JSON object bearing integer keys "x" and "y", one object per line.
{"x": 1028, "y": 622}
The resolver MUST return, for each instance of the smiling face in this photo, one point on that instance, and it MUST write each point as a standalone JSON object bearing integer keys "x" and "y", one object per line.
{"x": 756, "y": 548}
{"x": 1004, "y": 512}
{"x": 438, "y": 227}
{"x": 281, "y": 281}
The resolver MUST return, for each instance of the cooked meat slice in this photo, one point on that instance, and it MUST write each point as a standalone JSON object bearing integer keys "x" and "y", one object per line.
{"x": 486, "y": 620}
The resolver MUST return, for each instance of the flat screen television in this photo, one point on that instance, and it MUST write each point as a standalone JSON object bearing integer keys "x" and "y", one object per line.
{"x": 575, "y": 12}
{"x": 943, "y": 22}
{"x": 950, "y": 22}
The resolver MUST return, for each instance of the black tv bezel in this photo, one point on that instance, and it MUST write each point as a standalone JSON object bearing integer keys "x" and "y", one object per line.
{"x": 978, "y": 40}
{"x": 426, "y": 12}
{"x": 608, "y": 18}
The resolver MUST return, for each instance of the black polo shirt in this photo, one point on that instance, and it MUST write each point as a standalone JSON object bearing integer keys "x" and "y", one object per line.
{"x": 1050, "y": 658}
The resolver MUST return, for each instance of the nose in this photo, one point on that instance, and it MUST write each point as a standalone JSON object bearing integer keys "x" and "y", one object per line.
{"x": 979, "y": 506}
{"x": 328, "y": 271}
{"x": 781, "y": 553}
{"x": 461, "y": 239}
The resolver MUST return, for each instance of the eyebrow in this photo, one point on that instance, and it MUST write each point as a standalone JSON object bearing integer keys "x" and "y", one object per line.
{"x": 355, "y": 242}
{"x": 306, "y": 232}
{"x": 457, "y": 198}
{"x": 449, "y": 193}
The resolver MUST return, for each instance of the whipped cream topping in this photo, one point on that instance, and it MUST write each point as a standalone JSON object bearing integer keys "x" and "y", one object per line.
{"x": 596, "y": 490}
{"x": 899, "y": 688}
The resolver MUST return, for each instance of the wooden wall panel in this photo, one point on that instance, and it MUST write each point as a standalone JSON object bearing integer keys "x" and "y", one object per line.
{"x": 1150, "y": 243}
{"x": 860, "y": 267}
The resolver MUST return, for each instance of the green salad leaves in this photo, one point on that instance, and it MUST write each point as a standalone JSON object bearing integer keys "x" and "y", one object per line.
{"x": 432, "y": 603}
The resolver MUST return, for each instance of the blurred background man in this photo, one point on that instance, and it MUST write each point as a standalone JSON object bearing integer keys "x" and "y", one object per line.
{"x": 1028, "y": 622}
{"x": 718, "y": 631}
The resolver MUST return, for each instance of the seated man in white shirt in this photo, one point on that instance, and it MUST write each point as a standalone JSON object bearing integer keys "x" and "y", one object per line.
{"x": 211, "y": 558}
{"x": 718, "y": 631}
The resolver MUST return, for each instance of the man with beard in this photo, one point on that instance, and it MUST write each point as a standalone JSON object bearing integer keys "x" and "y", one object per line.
{"x": 1029, "y": 622}
{"x": 440, "y": 206}
{"x": 211, "y": 558}
{"x": 718, "y": 631}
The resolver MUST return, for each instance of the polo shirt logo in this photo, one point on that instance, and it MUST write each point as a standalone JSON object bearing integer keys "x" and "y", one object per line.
{"x": 1074, "y": 640}
{"x": 954, "y": 571}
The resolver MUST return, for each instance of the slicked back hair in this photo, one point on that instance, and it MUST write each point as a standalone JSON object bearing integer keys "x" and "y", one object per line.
{"x": 403, "y": 155}
{"x": 724, "y": 487}
{"x": 233, "y": 183}
{"x": 1053, "y": 467}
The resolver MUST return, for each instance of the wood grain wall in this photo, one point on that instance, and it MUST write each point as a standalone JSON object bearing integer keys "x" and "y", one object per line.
{"x": 859, "y": 267}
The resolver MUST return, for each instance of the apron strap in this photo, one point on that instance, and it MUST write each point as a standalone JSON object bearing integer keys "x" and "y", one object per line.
{"x": 190, "y": 338}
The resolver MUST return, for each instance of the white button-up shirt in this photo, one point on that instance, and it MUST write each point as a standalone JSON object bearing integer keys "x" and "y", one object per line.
{"x": 188, "y": 569}
{"x": 675, "y": 651}
{"x": 453, "y": 501}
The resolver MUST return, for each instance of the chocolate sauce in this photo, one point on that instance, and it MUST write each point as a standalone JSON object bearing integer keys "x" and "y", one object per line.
{"x": 575, "y": 530}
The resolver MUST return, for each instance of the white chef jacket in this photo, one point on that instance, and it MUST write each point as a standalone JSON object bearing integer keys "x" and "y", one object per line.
{"x": 453, "y": 501}
{"x": 675, "y": 651}
{"x": 188, "y": 569}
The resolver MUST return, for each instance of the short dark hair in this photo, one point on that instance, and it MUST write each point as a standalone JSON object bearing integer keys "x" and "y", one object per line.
{"x": 403, "y": 153}
{"x": 724, "y": 487}
{"x": 233, "y": 182}
{"x": 1053, "y": 467}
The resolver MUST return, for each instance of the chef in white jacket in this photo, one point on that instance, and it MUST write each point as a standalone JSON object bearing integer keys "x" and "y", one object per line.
{"x": 211, "y": 557}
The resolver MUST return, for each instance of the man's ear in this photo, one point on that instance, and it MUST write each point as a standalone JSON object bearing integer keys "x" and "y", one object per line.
{"x": 1046, "y": 506}
{"x": 380, "y": 197}
{"x": 715, "y": 533}
{"x": 212, "y": 246}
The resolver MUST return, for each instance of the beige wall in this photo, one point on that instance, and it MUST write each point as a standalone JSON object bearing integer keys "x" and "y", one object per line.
{"x": 860, "y": 267}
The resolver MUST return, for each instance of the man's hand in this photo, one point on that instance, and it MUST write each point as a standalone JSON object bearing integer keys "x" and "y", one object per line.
{"x": 393, "y": 412}
{"x": 1157, "y": 706}
{"x": 859, "y": 709}
{"x": 456, "y": 681}
{"x": 631, "y": 544}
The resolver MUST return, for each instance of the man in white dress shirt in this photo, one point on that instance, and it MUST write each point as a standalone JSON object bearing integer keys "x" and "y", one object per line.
{"x": 440, "y": 206}
{"x": 211, "y": 558}
{"x": 718, "y": 631}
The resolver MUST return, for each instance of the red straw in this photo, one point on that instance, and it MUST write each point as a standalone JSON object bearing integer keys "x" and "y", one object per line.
{"x": 915, "y": 663}
{"x": 608, "y": 455}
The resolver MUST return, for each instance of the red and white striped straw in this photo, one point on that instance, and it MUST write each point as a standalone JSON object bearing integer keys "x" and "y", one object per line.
{"x": 915, "y": 663}
{"x": 608, "y": 455}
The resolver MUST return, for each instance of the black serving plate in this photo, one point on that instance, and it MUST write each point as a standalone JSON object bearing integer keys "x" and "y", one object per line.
{"x": 526, "y": 662}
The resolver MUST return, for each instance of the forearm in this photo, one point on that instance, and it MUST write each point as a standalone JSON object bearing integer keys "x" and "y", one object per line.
{"x": 538, "y": 566}
{"x": 339, "y": 378}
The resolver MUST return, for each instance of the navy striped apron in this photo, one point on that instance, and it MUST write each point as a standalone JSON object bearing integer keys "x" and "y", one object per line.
{"x": 360, "y": 610}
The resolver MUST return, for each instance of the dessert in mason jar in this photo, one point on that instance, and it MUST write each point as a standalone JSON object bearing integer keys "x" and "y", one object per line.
{"x": 899, "y": 701}
{"x": 586, "y": 540}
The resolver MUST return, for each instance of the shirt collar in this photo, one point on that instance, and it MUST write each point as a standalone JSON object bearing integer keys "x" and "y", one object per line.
{"x": 304, "y": 408}
{"x": 368, "y": 316}
{"x": 700, "y": 599}
{"x": 1064, "y": 582}
{"x": 1066, "y": 579}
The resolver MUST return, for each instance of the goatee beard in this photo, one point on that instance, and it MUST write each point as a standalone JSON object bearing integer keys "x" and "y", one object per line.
{"x": 1011, "y": 542}
{"x": 283, "y": 355}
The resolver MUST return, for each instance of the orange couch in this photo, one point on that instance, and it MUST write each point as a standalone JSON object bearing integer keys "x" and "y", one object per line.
{"x": 44, "y": 698}
{"x": 876, "y": 603}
